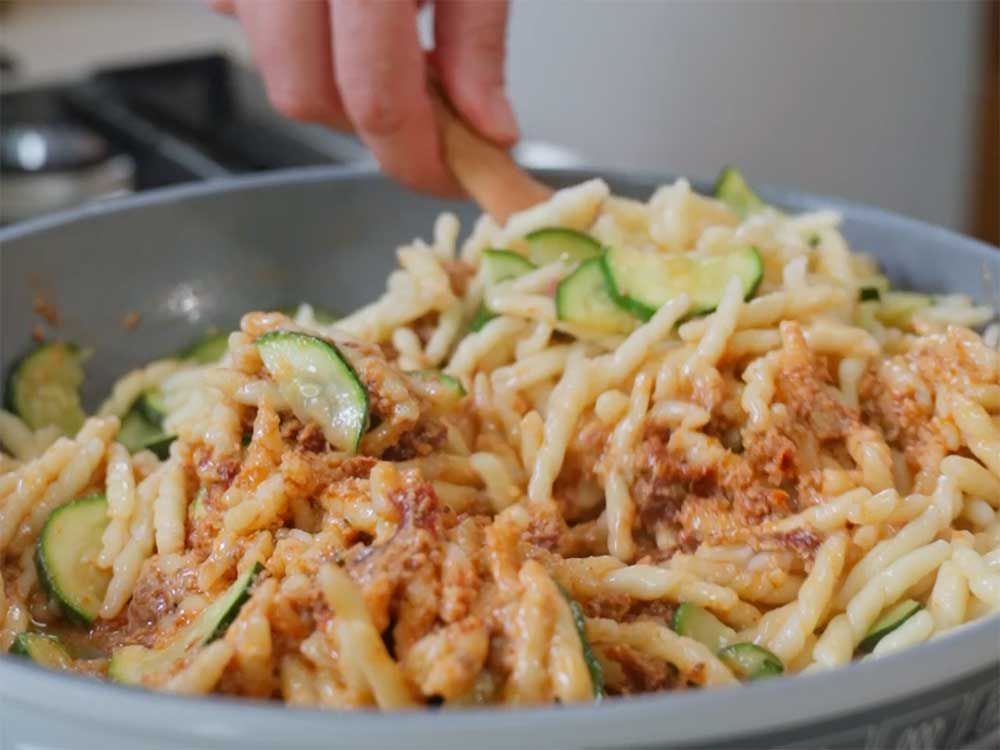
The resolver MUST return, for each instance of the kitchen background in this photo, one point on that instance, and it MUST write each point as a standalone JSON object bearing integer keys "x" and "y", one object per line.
{"x": 883, "y": 101}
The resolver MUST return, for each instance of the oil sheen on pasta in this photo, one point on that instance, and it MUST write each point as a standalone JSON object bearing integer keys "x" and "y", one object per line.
{"x": 796, "y": 464}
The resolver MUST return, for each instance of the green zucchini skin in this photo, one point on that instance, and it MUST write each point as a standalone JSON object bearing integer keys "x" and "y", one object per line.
{"x": 896, "y": 308}
{"x": 445, "y": 381}
{"x": 237, "y": 594}
{"x": 747, "y": 660}
{"x": 629, "y": 304}
{"x": 750, "y": 661}
{"x": 697, "y": 623}
{"x": 145, "y": 431}
{"x": 196, "y": 510}
{"x": 481, "y": 318}
{"x": 642, "y": 281}
{"x": 152, "y": 406}
{"x": 137, "y": 433}
{"x": 66, "y": 556}
{"x": 319, "y": 383}
{"x": 550, "y": 244}
{"x": 498, "y": 266}
{"x": 584, "y": 298}
{"x": 43, "y": 649}
{"x": 890, "y": 621}
{"x": 732, "y": 189}
{"x": 503, "y": 265}
{"x": 43, "y": 387}
{"x": 133, "y": 664}
{"x": 590, "y": 659}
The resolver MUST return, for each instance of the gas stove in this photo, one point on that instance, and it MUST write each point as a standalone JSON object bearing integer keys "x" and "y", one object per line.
{"x": 138, "y": 127}
{"x": 134, "y": 128}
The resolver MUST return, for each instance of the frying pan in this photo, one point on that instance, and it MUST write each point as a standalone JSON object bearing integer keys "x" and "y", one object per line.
{"x": 192, "y": 257}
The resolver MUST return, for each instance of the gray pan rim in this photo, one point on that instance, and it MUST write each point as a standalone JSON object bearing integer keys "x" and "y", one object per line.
{"x": 780, "y": 703}
{"x": 307, "y": 175}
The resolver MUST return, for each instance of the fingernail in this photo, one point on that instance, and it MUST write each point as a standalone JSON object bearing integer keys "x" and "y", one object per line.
{"x": 502, "y": 122}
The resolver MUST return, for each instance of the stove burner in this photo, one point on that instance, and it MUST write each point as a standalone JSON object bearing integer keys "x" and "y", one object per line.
{"x": 147, "y": 126}
{"x": 50, "y": 147}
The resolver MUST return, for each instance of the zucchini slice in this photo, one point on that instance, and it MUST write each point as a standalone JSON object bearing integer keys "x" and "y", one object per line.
{"x": 643, "y": 281}
{"x": 873, "y": 288}
{"x": 897, "y": 308}
{"x": 750, "y": 661}
{"x": 481, "y": 318}
{"x": 498, "y": 266}
{"x": 747, "y": 660}
{"x": 556, "y": 243}
{"x": 869, "y": 294}
{"x": 692, "y": 621}
{"x": 319, "y": 384}
{"x": 888, "y": 622}
{"x": 196, "y": 510}
{"x": 133, "y": 664}
{"x": 502, "y": 265}
{"x": 732, "y": 189}
{"x": 153, "y": 407}
{"x": 593, "y": 665}
{"x": 66, "y": 557}
{"x": 208, "y": 349}
{"x": 441, "y": 388}
{"x": 584, "y": 298}
{"x": 443, "y": 379}
{"x": 44, "y": 388}
{"x": 45, "y": 650}
{"x": 137, "y": 433}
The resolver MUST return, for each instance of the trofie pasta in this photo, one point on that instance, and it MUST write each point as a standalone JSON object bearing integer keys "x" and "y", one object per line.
{"x": 609, "y": 448}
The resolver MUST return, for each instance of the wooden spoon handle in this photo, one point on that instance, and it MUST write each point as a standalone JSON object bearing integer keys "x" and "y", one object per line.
{"x": 486, "y": 171}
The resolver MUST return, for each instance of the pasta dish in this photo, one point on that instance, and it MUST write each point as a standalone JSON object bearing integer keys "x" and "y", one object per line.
{"x": 611, "y": 447}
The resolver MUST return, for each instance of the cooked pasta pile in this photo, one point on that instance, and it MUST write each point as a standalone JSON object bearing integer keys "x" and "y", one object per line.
{"x": 537, "y": 507}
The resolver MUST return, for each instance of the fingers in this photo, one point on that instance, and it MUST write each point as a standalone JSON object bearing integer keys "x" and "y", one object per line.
{"x": 381, "y": 74}
{"x": 469, "y": 49}
{"x": 355, "y": 64}
{"x": 290, "y": 42}
{"x": 228, "y": 7}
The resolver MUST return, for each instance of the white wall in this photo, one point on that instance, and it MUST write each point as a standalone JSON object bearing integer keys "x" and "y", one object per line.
{"x": 52, "y": 39}
{"x": 872, "y": 100}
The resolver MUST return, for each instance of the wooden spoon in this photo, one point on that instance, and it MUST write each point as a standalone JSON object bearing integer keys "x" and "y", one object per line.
{"x": 488, "y": 173}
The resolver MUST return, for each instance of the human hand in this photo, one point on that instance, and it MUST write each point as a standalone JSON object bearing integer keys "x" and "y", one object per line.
{"x": 358, "y": 65}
